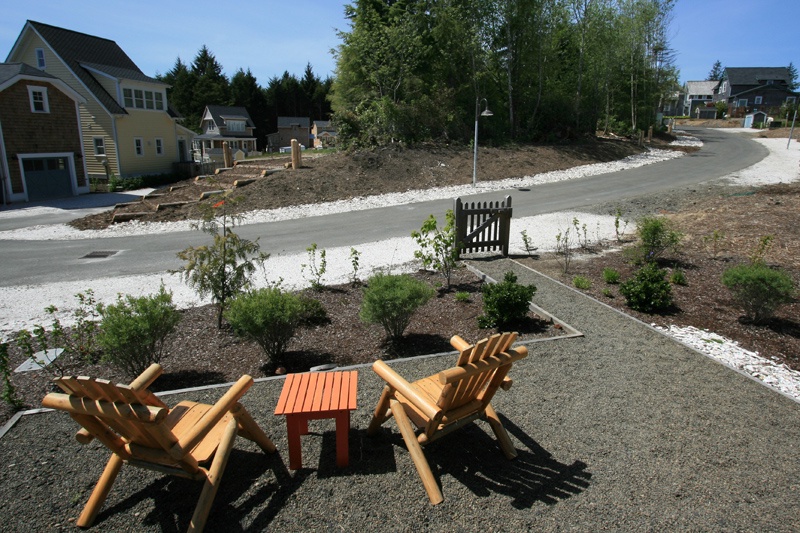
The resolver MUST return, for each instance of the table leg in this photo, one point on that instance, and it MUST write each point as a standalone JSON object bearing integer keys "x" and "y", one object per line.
{"x": 342, "y": 438}
{"x": 294, "y": 427}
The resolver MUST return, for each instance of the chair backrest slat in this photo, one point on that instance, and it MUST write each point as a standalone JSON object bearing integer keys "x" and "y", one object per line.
{"x": 104, "y": 390}
{"x": 471, "y": 387}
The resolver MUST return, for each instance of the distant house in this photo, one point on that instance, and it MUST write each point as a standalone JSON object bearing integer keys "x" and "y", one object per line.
{"x": 323, "y": 134}
{"x": 699, "y": 94}
{"x": 40, "y": 140}
{"x": 290, "y": 128}
{"x": 225, "y": 124}
{"x": 750, "y": 89}
{"x": 126, "y": 125}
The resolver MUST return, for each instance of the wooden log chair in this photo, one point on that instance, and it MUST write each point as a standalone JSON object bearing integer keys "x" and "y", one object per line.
{"x": 141, "y": 430}
{"x": 449, "y": 400}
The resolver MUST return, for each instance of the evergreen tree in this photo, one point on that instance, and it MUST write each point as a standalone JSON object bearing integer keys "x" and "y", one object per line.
{"x": 245, "y": 92}
{"x": 716, "y": 72}
{"x": 793, "y": 78}
{"x": 211, "y": 86}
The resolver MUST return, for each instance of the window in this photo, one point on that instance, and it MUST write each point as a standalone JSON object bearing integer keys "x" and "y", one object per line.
{"x": 38, "y": 96}
{"x": 211, "y": 126}
{"x": 758, "y": 100}
{"x": 139, "y": 99}
{"x": 99, "y": 146}
{"x": 138, "y": 146}
{"x": 235, "y": 125}
{"x": 742, "y": 103}
{"x": 791, "y": 99}
{"x": 159, "y": 146}
{"x": 40, "y": 59}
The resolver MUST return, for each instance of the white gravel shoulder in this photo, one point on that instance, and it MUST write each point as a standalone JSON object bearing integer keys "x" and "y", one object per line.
{"x": 22, "y": 307}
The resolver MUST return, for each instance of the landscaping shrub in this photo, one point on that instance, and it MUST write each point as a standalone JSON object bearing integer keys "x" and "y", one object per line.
{"x": 759, "y": 289}
{"x": 582, "y": 282}
{"x": 648, "y": 291}
{"x": 391, "y": 300}
{"x": 312, "y": 312}
{"x": 269, "y": 316}
{"x": 611, "y": 276}
{"x": 678, "y": 277}
{"x": 656, "y": 236}
{"x": 506, "y": 302}
{"x": 221, "y": 270}
{"x": 437, "y": 246}
{"x": 133, "y": 330}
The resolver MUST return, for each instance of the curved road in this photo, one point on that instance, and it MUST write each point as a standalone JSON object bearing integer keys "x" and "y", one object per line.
{"x": 36, "y": 262}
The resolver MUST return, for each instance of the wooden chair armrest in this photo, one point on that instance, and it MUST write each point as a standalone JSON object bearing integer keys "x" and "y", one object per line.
{"x": 210, "y": 419}
{"x": 147, "y": 377}
{"x": 398, "y": 383}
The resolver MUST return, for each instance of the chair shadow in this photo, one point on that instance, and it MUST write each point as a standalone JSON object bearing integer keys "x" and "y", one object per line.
{"x": 534, "y": 476}
{"x": 175, "y": 498}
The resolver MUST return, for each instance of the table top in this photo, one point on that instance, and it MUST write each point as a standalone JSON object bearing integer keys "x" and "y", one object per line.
{"x": 317, "y": 392}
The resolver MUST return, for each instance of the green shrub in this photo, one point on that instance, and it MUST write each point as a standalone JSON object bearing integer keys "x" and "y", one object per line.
{"x": 678, "y": 277}
{"x": 582, "y": 282}
{"x": 269, "y": 316}
{"x": 133, "y": 330}
{"x": 759, "y": 289}
{"x": 9, "y": 393}
{"x": 656, "y": 236}
{"x": 222, "y": 269}
{"x": 437, "y": 249}
{"x": 506, "y": 302}
{"x": 462, "y": 297}
{"x": 607, "y": 292}
{"x": 611, "y": 276}
{"x": 391, "y": 300}
{"x": 648, "y": 290}
{"x": 312, "y": 312}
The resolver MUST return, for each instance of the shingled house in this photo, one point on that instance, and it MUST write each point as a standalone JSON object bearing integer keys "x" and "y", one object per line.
{"x": 40, "y": 140}
{"x": 126, "y": 125}
{"x": 751, "y": 89}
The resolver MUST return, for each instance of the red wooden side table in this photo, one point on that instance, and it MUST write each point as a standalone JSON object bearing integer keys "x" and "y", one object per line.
{"x": 316, "y": 395}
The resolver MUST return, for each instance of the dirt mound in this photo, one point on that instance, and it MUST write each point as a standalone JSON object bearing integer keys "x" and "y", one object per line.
{"x": 265, "y": 184}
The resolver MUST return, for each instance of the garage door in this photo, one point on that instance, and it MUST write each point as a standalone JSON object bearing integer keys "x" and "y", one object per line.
{"x": 47, "y": 178}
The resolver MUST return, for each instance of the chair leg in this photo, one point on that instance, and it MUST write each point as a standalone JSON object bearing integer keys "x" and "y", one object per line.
{"x": 381, "y": 414}
{"x": 213, "y": 477}
{"x": 415, "y": 450}
{"x": 251, "y": 431}
{"x": 100, "y": 492}
{"x": 500, "y": 432}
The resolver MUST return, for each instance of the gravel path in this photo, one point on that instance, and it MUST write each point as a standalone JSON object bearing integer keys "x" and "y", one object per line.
{"x": 623, "y": 429}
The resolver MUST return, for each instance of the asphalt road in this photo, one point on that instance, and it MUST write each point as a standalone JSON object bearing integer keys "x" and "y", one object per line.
{"x": 36, "y": 262}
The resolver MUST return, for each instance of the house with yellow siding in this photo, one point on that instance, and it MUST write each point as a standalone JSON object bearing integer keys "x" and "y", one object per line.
{"x": 127, "y": 127}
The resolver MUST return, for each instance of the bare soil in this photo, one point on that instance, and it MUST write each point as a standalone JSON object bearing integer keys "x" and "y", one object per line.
{"x": 198, "y": 353}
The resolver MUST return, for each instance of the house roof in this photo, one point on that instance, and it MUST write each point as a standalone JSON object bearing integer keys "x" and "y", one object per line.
{"x": 83, "y": 53}
{"x": 752, "y": 75}
{"x": 219, "y": 113}
{"x": 286, "y": 122}
{"x": 701, "y": 87}
{"x": 11, "y": 73}
{"x": 322, "y": 123}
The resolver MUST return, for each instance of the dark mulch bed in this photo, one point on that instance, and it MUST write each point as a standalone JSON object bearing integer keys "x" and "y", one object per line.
{"x": 743, "y": 218}
{"x": 197, "y": 353}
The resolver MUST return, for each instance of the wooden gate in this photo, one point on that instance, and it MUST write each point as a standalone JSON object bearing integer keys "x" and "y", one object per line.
{"x": 483, "y": 226}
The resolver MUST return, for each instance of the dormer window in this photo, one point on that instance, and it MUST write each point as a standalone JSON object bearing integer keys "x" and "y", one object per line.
{"x": 40, "y": 63}
{"x": 235, "y": 125}
{"x": 139, "y": 99}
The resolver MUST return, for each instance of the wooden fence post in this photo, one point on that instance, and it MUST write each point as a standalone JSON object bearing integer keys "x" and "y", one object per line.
{"x": 296, "y": 158}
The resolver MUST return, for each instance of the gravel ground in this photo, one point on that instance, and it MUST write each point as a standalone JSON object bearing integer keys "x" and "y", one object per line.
{"x": 624, "y": 429}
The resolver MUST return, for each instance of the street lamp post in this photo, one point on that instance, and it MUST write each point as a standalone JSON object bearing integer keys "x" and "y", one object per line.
{"x": 485, "y": 113}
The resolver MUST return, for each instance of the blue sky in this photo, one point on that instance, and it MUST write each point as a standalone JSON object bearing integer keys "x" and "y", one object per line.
{"x": 271, "y": 36}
